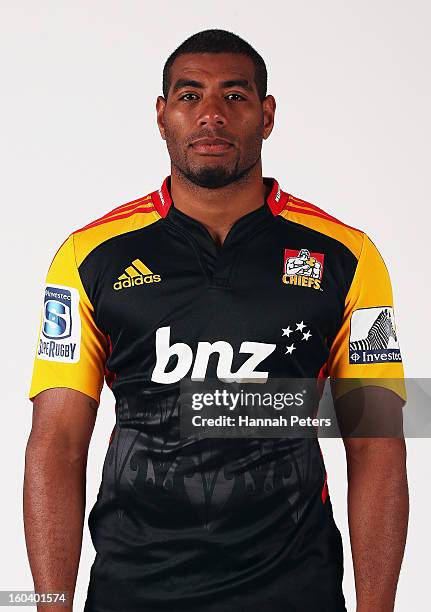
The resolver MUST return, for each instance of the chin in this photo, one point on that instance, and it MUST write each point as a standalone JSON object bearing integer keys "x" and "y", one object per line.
{"x": 212, "y": 177}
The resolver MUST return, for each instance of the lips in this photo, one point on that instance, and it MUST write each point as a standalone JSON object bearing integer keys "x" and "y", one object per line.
{"x": 211, "y": 146}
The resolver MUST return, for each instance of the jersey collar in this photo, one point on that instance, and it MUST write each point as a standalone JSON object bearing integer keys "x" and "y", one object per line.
{"x": 276, "y": 200}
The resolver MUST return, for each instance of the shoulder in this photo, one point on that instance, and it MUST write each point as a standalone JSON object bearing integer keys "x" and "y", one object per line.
{"x": 306, "y": 214}
{"x": 122, "y": 219}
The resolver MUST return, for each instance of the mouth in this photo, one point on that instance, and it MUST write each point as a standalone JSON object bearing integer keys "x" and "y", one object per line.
{"x": 211, "y": 146}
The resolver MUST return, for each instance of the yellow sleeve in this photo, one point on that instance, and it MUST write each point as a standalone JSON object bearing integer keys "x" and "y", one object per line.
{"x": 71, "y": 351}
{"x": 366, "y": 349}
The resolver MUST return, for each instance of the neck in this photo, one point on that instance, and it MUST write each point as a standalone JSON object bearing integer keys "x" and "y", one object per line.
{"x": 218, "y": 209}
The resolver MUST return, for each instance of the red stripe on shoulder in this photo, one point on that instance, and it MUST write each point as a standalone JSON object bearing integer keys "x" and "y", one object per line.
{"x": 116, "y": 218}
{"x": 304, "y": 203}
{"x": 296, "y": 202}
{"x": 137, "y": 201}
{"x": 127, "y": 206}
{"x": 318, "y": 212}
{"x": 119, "y": 209}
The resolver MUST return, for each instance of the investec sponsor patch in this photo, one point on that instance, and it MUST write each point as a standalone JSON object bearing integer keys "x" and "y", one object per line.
{"x": 373, "y": 337}
{"x": 60, "y": 333}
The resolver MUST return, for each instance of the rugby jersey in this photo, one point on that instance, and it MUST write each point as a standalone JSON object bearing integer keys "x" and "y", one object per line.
{"x": 142, "y": 299}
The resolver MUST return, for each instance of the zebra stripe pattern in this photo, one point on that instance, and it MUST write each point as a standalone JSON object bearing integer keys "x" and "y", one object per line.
{"x": 379, "y": 334}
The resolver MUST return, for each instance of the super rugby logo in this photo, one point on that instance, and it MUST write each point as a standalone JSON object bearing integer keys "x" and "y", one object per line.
{"x": 60, "y": 332}
{"x": 303, "y": 268}
{"x": 182, "y": 355}
{"x": 57, "y": 321}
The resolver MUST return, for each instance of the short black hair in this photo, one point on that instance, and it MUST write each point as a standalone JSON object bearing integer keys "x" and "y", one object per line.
{"x": 218, "y": 41}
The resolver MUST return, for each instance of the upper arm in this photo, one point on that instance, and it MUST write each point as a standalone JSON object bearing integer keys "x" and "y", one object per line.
{"x": 365, "y": 350}
{"x": 71, "y": 350}
{"x": 63, "y": 419}
{"x": 369, "y": 413}
{"x": 69, "y": 363}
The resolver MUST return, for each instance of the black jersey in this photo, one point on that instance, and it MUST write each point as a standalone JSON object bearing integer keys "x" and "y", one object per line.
{"x": 144, "y": 298}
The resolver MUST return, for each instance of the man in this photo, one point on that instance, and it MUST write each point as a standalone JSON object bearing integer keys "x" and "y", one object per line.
{"x": 194, "y": 281}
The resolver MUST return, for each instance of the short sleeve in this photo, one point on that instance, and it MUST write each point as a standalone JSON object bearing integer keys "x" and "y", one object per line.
{"x": 366, "y": 345}
{"x": 71, "y": 351}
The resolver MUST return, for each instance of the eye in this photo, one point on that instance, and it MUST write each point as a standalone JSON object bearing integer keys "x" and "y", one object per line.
{"x": 237, "y": 97}
{"x": 189, "y": 97}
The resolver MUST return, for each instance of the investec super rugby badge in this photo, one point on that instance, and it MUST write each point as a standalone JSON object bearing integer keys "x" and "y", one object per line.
{"x": 60, "y": 332}
{"x": 303, "y": 268}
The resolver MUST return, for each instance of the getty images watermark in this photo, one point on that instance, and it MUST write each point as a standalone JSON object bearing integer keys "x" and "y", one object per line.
{"x": 305, "y": 408}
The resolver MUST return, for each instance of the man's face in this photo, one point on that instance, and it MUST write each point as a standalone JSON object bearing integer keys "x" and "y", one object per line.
{"x": 213, "y": 120}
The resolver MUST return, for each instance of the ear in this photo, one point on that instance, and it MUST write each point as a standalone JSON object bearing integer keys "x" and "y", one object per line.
{"x": 268, "y": 106}
{"x": 160, "y": 109}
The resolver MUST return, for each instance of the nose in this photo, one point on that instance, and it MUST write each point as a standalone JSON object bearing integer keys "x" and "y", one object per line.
{"x": 211, "y": 113}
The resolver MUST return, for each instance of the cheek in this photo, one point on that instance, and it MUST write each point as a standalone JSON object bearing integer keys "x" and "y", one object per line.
{"x": 173, "y": 123}
{"x": 252, "y": 131}
{"x": 250, "y": 124}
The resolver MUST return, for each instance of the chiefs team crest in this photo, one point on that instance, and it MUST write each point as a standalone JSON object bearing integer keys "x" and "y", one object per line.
{"x": 303, "y": 268}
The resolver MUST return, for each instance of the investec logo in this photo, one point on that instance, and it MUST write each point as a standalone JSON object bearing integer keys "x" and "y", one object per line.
{"x": 186, "y": 361}
{"x": 373, "y": 336}
{"x": 136, "y": 274}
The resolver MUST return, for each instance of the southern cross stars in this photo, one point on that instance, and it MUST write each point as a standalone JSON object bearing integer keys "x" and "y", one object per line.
{"x": 299, "y": 328}
{"x": 287, "y": 331}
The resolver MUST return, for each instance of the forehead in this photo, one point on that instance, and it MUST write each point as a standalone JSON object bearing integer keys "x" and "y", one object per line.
{"x": 212, "y": 67}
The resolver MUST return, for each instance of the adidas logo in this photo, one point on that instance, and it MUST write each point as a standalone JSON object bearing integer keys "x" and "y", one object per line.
{"x": 136, "y": 274}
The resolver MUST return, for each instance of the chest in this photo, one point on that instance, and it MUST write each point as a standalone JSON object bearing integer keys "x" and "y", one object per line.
{"x": 275, "y": 295}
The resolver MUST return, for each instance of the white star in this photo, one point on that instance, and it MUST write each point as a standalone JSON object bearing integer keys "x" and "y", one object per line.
{"x": 307, "y": 335}
{"x": 290, "y": 349}
{"x": 286, "y": 331}
{"x": 300, "y": 326}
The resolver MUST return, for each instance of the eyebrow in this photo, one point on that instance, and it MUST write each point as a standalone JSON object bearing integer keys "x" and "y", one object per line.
{"x": 180, "y": 83}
